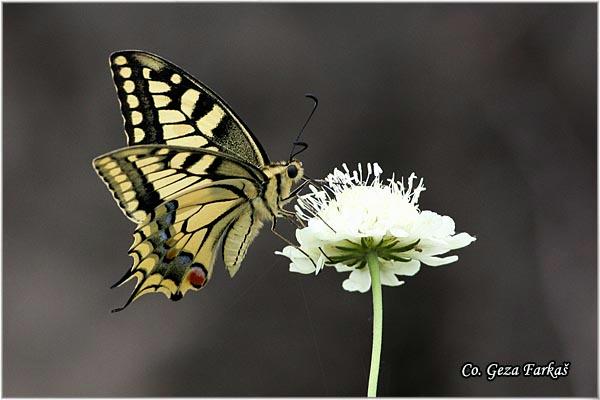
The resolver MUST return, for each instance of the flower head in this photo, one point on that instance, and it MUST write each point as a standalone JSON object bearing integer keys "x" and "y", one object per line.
{"x": 355, "y": 214}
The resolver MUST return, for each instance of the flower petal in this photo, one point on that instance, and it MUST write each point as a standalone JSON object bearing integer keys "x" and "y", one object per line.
{"x": 308, "y": 237}
{"x": 435, "y": 261}
{"x": 461, "y": 240}
{"x": 343, "y": 268}
{"x": 398, "y": 232}
{"x": 300, "y": 263}
{"x": 409, "y": 268}
{"x": 320, "y": 264}
{"x": 387, "y": 278}
{"x": 433, "y": 224}
{"x": 358, "y": 281}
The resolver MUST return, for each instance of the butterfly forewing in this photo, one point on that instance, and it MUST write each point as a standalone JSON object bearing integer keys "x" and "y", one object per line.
{"x": 162, "y": 104}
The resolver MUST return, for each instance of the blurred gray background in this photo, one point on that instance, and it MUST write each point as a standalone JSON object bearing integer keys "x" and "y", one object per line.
{"x": 494, "y": 105}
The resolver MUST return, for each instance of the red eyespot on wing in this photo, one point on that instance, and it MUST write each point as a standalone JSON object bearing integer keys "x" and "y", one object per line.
{"x": 197, "y": 277}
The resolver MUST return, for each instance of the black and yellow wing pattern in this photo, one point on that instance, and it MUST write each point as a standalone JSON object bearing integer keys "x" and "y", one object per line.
{"x": 192, "y": 197}
{"x": 188, "y": 178}
{"x": 162, "y": 104}
{"x": 143, "y": 177}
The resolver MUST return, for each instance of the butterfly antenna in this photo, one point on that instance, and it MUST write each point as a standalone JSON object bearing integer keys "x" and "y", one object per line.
{"x": 303, "y": 146}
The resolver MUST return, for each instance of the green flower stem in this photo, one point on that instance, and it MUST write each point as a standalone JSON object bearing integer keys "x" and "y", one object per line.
{"x": 373, "y": 262}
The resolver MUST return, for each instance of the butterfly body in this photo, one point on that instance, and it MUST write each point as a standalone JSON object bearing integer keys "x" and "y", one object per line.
{"x": 193, "y": 177}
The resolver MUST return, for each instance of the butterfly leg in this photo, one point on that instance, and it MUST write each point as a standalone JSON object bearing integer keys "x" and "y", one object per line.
{"x": 295, "y": 192}
{"x": 280, "y": 236}
{"x": 273, "y": 226}
{"x": 292, "y": 217}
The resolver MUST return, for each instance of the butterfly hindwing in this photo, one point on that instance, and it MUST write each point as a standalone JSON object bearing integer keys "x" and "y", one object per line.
{"x": 162, "y": 104}
{"x": 174, "y": 248}
{"x": 143, "y": 177}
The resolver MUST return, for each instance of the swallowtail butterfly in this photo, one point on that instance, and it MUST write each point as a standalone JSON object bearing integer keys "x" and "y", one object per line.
{"x": 193, "y": 176}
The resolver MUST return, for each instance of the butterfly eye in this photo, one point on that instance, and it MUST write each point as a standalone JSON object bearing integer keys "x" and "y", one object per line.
{"x": 292, "y": 171}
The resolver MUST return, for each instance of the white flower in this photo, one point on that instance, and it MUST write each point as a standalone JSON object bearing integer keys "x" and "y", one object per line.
{"x": 352, "y": 215}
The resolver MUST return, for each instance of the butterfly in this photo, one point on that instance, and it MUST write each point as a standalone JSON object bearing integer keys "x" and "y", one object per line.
{"x": 193, "y": 176}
